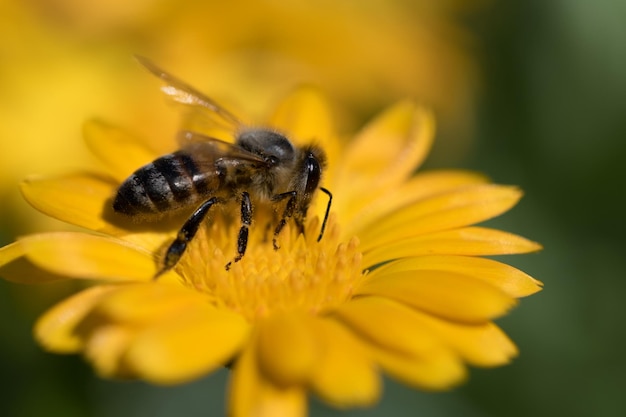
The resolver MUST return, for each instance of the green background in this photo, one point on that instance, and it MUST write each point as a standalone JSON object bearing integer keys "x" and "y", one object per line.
{"x": 551, "y": 119}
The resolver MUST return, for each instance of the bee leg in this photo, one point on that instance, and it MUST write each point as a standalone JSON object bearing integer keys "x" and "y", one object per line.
{"x": 330, "y": 200}
{"x": 289, "y": 209}
{"x": 184, "y": 236}
{"x": 246, "y": 221}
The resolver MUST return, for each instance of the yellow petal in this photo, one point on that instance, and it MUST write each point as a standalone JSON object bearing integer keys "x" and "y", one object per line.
{"x": 186, "y": 345}
{"x": 120, "y": 152}
{"x": 389, "y": 148}
{"x": 445, "y": 294}
{"x": 461, "y": 207}
{"x": 473, "y": 241}
{"x": 77, "y": 199}
{"x": 154, "y": 241}
{"x": 388, "y": 325}
{"x": 359, "y": 214}
{"x": 409, "y": 352}
{"x": 150, "y": 302}
{"x": 252, "y": 394}
{"x": 105, "y": 350}
{"x": 15, "y": 267}
{"x": 287, "y": 349}
{"x": 344, "y": 375}
{"x": 86, "y": 256}
{"x": 478, "y": 344}
{"x": 305, "y": 116}
{"x": 440, "y": 370}
{"x": 510, "y": 280}
{"x": 56, "y": 329}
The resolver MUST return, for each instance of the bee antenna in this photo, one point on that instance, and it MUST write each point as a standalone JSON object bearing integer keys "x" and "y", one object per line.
{"x": 330, "y": 200}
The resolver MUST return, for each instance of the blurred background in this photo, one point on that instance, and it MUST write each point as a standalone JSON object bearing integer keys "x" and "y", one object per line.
{"x": 530, "y": 92}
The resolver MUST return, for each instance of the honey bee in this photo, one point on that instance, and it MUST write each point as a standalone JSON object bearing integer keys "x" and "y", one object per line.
{"x": 261, "y": 168}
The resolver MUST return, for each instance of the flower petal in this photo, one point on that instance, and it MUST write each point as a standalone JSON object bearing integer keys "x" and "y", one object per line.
{"x": 86, "y": 256}
{"x": 458, "y": 208}
{"x": 440, "y": 370}
{"x": 305, "y": 116}
{"x": 186, "y": 345}
{"x": 105, "y": 347}
{"x": 15, "y": 267}
{"x": 77, "y": 199}
{"x": 386, "y": 324}
{"x": 473, "y": 241}
{"x": 388, "y": 149}
{"x": 141, "y": 304}
{"x": 358, "y": 217}
{"x": 56, "y": 330}
{"x": 287, "y": 349}
{"x": 445, "y": 294}
{"x": 479, "y": 344}
{"x": 344, "y": 375}
{"x": 251, "y": 394}
{"x": 120, "y": 152}
{"x": 411, "y": 353}
{"x": 510, "y": 280}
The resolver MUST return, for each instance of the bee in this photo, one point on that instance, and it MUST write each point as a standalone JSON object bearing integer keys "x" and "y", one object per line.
{"x": 261, "y": 168}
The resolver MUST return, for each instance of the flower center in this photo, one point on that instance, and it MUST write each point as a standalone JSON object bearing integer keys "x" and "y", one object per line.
{"x": 303, "y": 274}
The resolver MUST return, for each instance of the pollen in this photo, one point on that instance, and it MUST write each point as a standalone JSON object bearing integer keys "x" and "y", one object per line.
{"x": 302, "y": 274}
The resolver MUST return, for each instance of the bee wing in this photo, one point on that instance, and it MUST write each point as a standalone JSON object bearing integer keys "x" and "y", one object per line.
{"x": 218, "y": 149}
{"x": 181, "y": 92}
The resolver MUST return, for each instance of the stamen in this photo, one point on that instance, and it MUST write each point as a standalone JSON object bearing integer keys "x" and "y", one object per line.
{"x": 303, "y": 274}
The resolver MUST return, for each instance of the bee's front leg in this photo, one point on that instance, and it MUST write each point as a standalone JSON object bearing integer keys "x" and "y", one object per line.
{"x": 184, "y": 236}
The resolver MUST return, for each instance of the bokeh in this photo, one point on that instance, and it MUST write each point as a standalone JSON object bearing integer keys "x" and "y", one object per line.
{"x": 529, "y": 92}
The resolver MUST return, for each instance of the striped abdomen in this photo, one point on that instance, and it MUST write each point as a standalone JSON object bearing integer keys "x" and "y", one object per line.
{"x": 170, "y": 182}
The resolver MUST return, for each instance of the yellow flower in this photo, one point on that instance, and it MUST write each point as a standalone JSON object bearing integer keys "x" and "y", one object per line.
{"x": 396, "y": 285}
